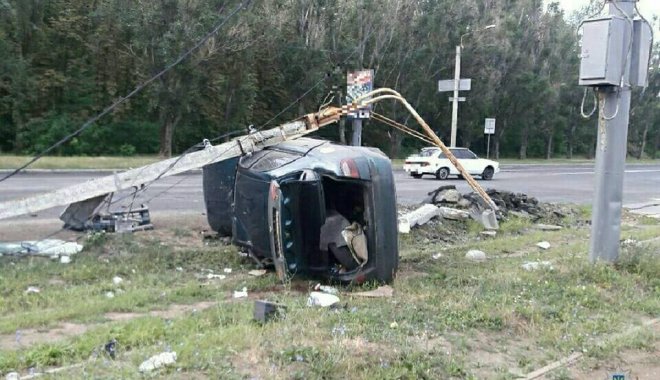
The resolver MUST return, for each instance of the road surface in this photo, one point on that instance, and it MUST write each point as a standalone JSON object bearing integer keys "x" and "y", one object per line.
{"x": 571, "y": 183}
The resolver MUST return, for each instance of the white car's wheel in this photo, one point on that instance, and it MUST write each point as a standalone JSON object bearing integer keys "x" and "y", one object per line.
{"x": 488, "y": 173}
{"x": 442, "y": 173}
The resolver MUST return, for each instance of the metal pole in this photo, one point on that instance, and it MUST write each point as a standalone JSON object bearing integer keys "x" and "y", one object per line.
{"x": 454, "y": 112}
{"x": 357, "y": 132}
{"x": 488, "y": 147}
{"x": 614, "y": 104}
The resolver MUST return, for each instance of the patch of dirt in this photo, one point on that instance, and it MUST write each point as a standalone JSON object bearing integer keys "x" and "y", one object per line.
{"x": 494, "y": 353}
{"x": 640, "y": 365}
{"x": 253, "y": 364}
{"x": 30, "y": 337}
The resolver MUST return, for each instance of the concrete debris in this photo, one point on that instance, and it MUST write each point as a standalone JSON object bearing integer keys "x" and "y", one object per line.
{"x": 536, "y": 265}
{"x": 475, "y": 255}
{"x": 454, "y": 214}
{"x": 32, "y": 290}
{"x": 417, "y": 217}
{"x": 444, "y": 194}
{"x": 241, "y": 293}
{"x": 109, "y": 295}
{"x": 384, "y": 291}
{"x": 326, "y": 289}
{"x": 265, "y": 311}
{"x": 547, "y": 227}
{"x": 158, "y": 361}
{"x": 322, "y": 299}
{"x": 488, "y": 233}
{"x": 213, "y": 276}
{"x": 227, "y": 270}
{"x": 437, "y": 256}
{"x": 46, "y": 248}
{"x": 65, "y": 259}
{"x": 543, "y": 245}
{"x": 117, "y": 280}
{"x": 394, "y": 325}
{"x": 257, "y": 272}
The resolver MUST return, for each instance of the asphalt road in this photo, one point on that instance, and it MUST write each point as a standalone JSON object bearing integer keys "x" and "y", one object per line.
{"x": 550, "y": 183}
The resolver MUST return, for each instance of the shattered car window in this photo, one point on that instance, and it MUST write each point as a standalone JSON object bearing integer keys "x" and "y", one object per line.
{"x": 266, "y": 160}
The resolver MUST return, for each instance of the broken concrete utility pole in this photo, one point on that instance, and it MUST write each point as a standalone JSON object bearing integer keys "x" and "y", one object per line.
{"x": 135, "y": 178}
{"x": 615, "y": 56}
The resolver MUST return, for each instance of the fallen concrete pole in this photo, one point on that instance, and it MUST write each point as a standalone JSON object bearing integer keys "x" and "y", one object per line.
{"x": 418, "y": 217}
{"x": 135, "y": 178}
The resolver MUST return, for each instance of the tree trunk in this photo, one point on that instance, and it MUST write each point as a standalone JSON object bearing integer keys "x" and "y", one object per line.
{"x": 569, "y": 141}
{"x": 524, "y": 140}
{"x": 169, "y": 122}
{"x": 548, "y": 152}
{"x": 643, "y": 144}
{"x": 396, "y": 138}
{"x": 496, "y": 146}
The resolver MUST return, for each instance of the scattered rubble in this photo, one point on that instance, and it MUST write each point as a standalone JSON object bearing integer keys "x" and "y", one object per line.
{"x": 32, "y": 290}
{"x": 53, "y": 248}
{"x": 257, "y": 272}
{"x": 158, "y": 361}
{"x": 488, "y": 233}
{"x": 475, "y": 255}
{"x": 543, "y": 245}
{"x": 322, "y": 299}
{"x": 325, "y": 289}
{"x": 12, "y": 376}
{"x": 227, "y": 270}
{"x": 536, "y": 265}
{"x": 65, "y": 259}
{"x": 110, "y": 295}
{"x": 117, "y": 280}
{"x": 213, "y": 276}
{"x": 437, "y": 256}
{"x": 241, "y": 293}
{"x": 547, "y": 227}
{"x": 384, "y": 291}
{"x": 417, "y": 217}
{"x": 265, "y": 311}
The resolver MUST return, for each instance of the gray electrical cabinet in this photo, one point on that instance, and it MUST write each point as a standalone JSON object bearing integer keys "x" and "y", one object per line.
{"x": 641, "y": 52}
{"x": 602, "y": 47}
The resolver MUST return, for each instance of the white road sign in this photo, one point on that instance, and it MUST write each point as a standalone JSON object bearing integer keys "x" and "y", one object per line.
{"x": 448, "y": 85}
{"x": 489, "y": 129}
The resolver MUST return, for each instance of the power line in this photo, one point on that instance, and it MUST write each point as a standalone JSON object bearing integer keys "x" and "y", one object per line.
{"x": 139, "y": 88}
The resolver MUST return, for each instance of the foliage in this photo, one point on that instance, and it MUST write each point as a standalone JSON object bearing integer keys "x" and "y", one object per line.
{"x": 65, "y": 60}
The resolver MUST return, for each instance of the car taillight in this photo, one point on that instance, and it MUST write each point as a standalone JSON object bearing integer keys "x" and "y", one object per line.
{"x": 349, "y": 168}
{"x": 424, "y": 164}
{"x": 408, "y": 162}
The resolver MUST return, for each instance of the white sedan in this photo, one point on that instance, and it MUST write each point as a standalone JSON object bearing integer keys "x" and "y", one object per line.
{"x": 433, "y": 161}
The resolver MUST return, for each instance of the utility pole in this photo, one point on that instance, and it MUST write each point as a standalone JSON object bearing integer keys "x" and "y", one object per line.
{"x": 455, "y": 100}
{"x": 615, "y": 51}
{"x": 358, "y": 83}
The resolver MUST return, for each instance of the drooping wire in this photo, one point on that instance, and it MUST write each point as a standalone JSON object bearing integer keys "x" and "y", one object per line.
{"x": 584, "y": 98}
{"x": 121, "y": 100}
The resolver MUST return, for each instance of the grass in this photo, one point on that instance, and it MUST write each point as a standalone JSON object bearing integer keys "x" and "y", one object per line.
{"x": 449, "y": 318}
{"x": 72, "y": 163}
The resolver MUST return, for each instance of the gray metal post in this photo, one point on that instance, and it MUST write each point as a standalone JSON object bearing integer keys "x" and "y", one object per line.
{"x": 614, "y": 104}
{"x": 454, "y": 110}
{"x": 488, "y": 147}
{"x": 357, "y": 132}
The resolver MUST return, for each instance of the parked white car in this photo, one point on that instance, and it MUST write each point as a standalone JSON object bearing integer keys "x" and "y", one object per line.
{"x": 433, "y": 161}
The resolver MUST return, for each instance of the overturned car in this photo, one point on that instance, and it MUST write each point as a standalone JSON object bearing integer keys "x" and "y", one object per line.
{"x": 310, "y": 207}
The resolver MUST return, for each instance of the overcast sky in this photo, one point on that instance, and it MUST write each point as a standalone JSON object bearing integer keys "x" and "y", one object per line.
{"x": 648, "y": 8}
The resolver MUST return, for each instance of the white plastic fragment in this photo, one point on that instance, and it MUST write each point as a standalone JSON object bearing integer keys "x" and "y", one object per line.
{"x": 535, "y": 265}
{"x": 32, "y": 289}
{"x": 212, "y": 276}
{"x": 117, "y": 280}
{"x": 241, "y": 293}
{"x": 543, "y": 245}
{"x": 65, "y": 259}
{"x": 158, "y": 361}
{"x": 437, "y": 256}
{"x": 227, "y": 270}
{"x": 326, "y": 289}
{"x": 322, "y": 299}
{"x": 475, "y": 255}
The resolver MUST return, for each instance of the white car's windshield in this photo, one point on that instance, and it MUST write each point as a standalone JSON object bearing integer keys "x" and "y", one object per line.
{"x": 427, "y": 152}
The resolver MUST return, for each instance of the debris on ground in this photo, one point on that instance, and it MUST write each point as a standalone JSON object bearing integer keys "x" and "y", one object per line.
{"x": 535, "y": 265}
{"x": 117, "y": 280}
{"x": 475, "y": 255}
{"x": 322, "y": 299}
{"x": 265, "y": 311}
{"x": 111, "y": 348}
{"x": 158, "y": 361}
{"x": 12, "y": 376}
{"x": 547, "y": 227}
{"x": 110, "y": 295}
{"x": 227, "y": 270}
{"x": 32, "y": 290}
{"x": 488, "y": 233}
{"x": 65, "y": 259}
{"x": 241, "y": 293}
{"x": 213, "y": 276}
{"x": 543, "y": 245}
{"x": 454, "y": 214}
{"x": 417, "y": 217}
{"x": 394, "y": 325}
{"x": 437, "y": 256}
{"x": 384, "y": 291}
{"x": 53, "y": 248}
{"x": 326, "y": 289}
{"x": 257, "y": 272}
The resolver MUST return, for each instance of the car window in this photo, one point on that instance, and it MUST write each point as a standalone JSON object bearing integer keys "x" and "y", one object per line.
{"x": 427, "y": 152}
{"x": 470, "y": 154}
{"x": 441, "y": 155}
{"x": 266, "y": 160}
{"x": 458, "y": 153}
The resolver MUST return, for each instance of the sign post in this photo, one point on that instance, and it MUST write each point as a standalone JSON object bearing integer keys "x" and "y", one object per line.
{"x": 358, "y": 83}
{"x": 489, "y": 129}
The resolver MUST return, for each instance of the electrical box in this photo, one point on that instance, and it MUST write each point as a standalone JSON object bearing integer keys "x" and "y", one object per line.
{"x": 641, "y": 52}
{"x": 602, "y": 50}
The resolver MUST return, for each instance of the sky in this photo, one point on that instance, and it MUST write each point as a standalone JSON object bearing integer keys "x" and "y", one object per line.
{"x": 648, "y": 8}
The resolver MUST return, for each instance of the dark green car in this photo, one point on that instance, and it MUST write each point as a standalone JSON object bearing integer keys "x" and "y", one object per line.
{"x": 310, "y": 207}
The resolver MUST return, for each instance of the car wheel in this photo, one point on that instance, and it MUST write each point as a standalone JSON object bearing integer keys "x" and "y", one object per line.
{"x": 416, "y": 175}
{"x": 442, "y": 173}
{"x": 488, "y": 173}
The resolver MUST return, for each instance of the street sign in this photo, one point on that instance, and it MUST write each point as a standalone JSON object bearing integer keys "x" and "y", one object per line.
{"x": 448, "y": 85}
{"x": 359, "y": 83}
{"x": 489, "y": 128}
{"x": 460, "y": 98}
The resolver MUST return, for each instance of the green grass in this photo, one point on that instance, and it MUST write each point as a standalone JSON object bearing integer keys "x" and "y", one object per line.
{"x": 454, "y": 318}
{"x": 52, "y": 162}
